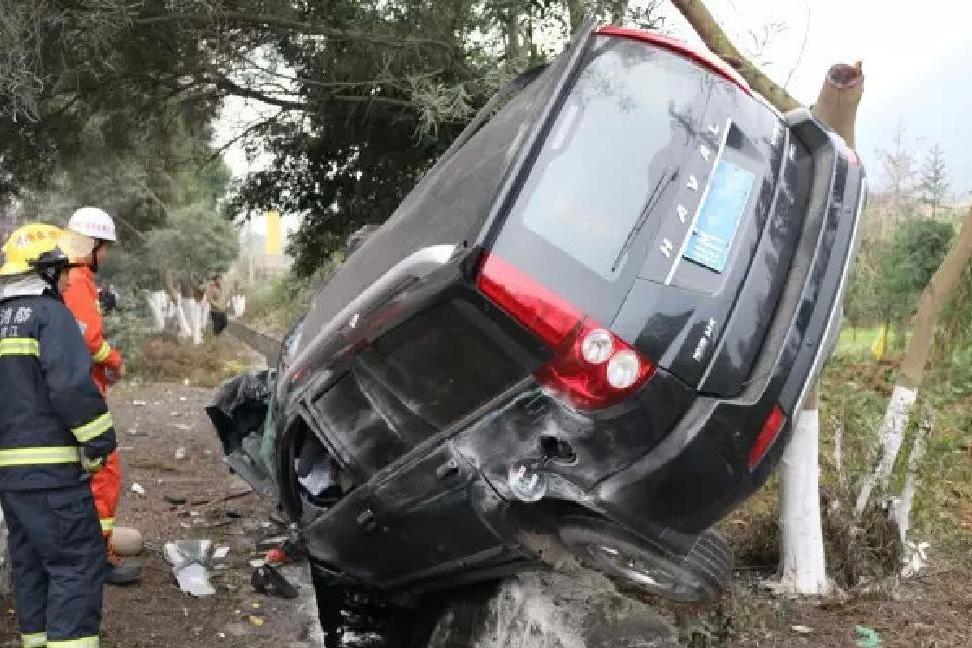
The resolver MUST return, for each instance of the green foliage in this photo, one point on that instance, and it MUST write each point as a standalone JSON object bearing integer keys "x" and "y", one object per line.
{"x": 354, "y": 153}
{"x": 275, "y": 307}
{"x": 360, "y": 97}
{"x": 916, "y": 251}
{"x": 934, "y": 183}
{"x": 196, "y": 244}
{"x": 127, "y": 330}
{"x": 889, "y": 276}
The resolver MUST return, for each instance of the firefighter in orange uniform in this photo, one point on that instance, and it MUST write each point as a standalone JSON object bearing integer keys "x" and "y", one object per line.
{"x": 90, "y": 232}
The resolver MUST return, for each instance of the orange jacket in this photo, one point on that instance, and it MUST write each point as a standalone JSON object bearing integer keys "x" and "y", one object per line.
{"x": 81, "y": 298}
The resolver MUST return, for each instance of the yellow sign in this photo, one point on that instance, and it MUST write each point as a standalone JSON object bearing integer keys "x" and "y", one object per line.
{"x": 274, "y": 233}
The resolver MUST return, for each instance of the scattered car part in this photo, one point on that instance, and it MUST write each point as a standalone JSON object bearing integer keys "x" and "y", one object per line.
{"x": 189, "y": 559}
{"x": 269, "y": 581}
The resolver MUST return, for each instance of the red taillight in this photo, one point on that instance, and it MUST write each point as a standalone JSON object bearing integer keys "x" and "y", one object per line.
{"x": 540, "y": 310}
{"x": 771, "y": 429}
{"x": 592, "y": 367}
{"x": 700, "y": 56}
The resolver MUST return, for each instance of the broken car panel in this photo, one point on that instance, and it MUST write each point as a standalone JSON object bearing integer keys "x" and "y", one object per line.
{"x": 594, "y": 319}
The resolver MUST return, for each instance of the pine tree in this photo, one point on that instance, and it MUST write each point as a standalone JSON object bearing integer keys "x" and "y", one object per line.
{"x": 934, "y": 184}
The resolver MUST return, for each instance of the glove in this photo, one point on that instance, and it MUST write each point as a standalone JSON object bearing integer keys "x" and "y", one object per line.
{"x": 92, "y": 466}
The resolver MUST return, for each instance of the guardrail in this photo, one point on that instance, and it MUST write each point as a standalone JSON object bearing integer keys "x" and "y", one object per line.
{"x": 267, "y": 346}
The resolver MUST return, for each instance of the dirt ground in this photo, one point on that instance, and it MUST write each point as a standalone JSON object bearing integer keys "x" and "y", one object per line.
{"x": 153, "y": 422}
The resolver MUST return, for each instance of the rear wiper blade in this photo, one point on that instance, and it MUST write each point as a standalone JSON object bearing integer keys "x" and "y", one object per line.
{"x": 666, "y": 178}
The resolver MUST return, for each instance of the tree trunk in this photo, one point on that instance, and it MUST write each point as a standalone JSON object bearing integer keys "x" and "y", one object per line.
{"x": 905, "y": 393}
{"x": 575, "y": 12}
{"x": 158, "y": 302}
{"x": 514, "y": 52}
{"x": 802, "y": 564}
{"x": 901, "y": 508}
{"x": 698, "y": 16}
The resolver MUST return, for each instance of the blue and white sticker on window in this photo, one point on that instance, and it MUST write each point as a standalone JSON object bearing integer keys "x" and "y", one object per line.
{"x": 718, "y": 221}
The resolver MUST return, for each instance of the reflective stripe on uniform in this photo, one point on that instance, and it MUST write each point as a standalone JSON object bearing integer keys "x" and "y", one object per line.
{"x": 39, "y": 456}
{"x": 84, "y": 642}
{"x": 93, "y": 429}
{"x": 103, "y": 352}
{"x": 19, "y": 347}
{"x": 35, "y": 640}
{"x": 107, "y": 524}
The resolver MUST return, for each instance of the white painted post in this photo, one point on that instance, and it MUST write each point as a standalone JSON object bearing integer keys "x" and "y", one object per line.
{"x": 183, "y": 318}
{"x": 158, "y": 302}
{"x": 802, "y": 564}
{"x": 891, "y": 435}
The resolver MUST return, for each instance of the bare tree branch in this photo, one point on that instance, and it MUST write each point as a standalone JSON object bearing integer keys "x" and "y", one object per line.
{"x": 287, "y": 24}
{"x": 698, "y": 16}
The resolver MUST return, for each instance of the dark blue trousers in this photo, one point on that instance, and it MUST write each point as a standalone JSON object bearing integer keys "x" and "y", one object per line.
{"x": 57, "y": 559}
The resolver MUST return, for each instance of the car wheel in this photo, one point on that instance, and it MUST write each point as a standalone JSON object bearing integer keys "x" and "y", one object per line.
{"x": 700, "y": 577}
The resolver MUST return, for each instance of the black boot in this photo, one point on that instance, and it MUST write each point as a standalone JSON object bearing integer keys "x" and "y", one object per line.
{"x": 120, "y": 573}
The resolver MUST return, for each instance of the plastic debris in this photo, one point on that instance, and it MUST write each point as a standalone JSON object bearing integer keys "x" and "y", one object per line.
{"x": 180, "y": 454}
{"x": 193, "y": 579}
{"x": 270, "y": 582}
{"x": 220, "y": 552}
{"x": 868, "y": 638}
{"x": 138, "y": 489}
{"x": 271, "y": 542}
{"x": 255, "y": 620}
{"x": 188, "y": 559}
{"x": 139, "y": 403}
{"x": 801, "y": 629}
{"x": 915, "y": 558}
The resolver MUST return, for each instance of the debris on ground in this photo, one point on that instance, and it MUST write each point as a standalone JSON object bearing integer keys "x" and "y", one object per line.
{"x": 138, "y": 489}
{"x": 189, "y": 559}
{"x": 915, "y": 558}
{"x": 269, "y": 581}
{"x": 868, "y": 638}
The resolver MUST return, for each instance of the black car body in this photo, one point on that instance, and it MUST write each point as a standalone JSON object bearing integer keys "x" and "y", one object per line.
{"x": 595, "y": 318}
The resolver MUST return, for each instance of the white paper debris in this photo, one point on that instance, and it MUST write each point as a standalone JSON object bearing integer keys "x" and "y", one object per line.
{"x": 137, "y": 488}
{"x": 193, "y": 579}
{"x": 188, "y": 559}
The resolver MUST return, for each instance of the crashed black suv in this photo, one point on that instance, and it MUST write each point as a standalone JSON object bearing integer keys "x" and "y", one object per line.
{"x": 592, "y": 321}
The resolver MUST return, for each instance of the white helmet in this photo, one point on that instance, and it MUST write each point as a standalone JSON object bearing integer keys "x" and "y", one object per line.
{"x": 94, "y": 223}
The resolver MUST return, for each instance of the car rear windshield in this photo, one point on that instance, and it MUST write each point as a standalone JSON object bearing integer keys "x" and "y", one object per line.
{"x": 607, "y": 163}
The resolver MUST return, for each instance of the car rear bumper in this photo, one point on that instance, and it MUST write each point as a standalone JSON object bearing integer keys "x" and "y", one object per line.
{"x": 701, "y": 470}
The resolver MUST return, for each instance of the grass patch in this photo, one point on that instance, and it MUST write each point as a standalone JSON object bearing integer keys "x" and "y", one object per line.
{"x": 165, "y": 359}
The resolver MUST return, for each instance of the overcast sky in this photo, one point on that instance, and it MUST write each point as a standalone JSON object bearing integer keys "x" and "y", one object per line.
{"x": 917, "y": 64}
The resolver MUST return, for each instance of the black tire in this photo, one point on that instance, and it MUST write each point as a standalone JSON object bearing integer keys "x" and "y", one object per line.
{"x": 702, "y": 576}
